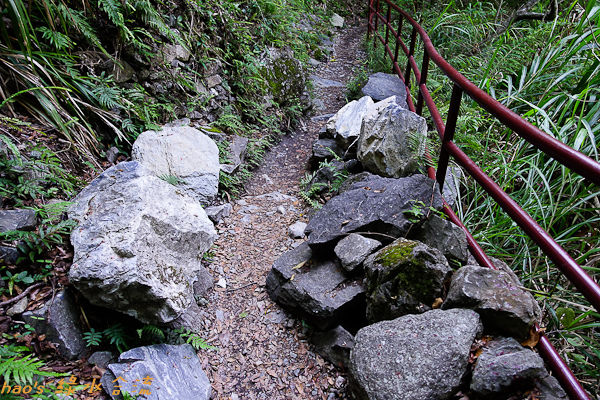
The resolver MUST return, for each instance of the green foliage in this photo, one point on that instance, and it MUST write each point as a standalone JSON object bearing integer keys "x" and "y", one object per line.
{"x": 92, "y": 338}
{"x": 312, "y": 191}
{"x": 194, "y": 340}
{"x": 20, "y": 368}
{"x": 117, "y": 336}
{"x": 172, "y": 180}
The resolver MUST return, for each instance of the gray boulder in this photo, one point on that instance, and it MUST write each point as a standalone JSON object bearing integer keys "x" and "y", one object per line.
{"x": 504, "y": 365}
{"x": 504, "y": 308}
{"x": 353, "y": 249}
{"x": 171, "y": 52}
{"x": 59, "y": 321}
{"x": 316, "y": 290}
{"x": 417, "y": 357}
{"x": 321, "y": 150}
{"x": 185, "y": 153}
{"x": 102, "y": 359}
{"x": 451, "y": 190}
{"x": 382, "y": 205}
{"x": 9, "y": 255}
{"x": 448, "y": 238}
{"x": 345, "y": 125}
{"x": 549, "y": 389}
{"x": 161, "y": 371}
{"x": 334, "y": 345}
{"x": 237, "y": 154}
{"x": 405, "y": 277}
{"x": 392, "y": 139}
{"x": 380, "y": 86}
{"x": 17, "y": 220}
{"x": 139, "y": 243}
{"x": 337, "y": 21}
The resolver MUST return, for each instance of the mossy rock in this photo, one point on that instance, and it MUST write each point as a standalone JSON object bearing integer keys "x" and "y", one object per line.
{"x": 284, "y": 76}
{"x": 405, "y": 277}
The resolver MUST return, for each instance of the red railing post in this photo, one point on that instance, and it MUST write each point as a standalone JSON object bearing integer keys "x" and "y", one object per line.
{"x": 413, "y": 41}
{"x": 387, "y": 24}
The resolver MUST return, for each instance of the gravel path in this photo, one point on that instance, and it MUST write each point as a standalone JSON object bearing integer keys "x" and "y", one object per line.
{"x": 263, "y": 352}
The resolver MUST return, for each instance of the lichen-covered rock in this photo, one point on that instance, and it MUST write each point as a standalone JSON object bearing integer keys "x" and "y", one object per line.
{"x": 346, "y": 124}
{"x": 184, "y": 153}
{"x": 384, "y": 205}
{"x": 285, "y": 77}
{"x": 163, "y": 371}
{"x": 416, "y": 357}
{"x": 392, "y": 139}
{"x": 316, "y": 290}
{"x": 380, "y": 86}
{"x": 503, "y": 365}
{"x": 504, "y": 308}
{"x": 138, "y": 244}
{"x": 405, "y": 277}
{"x": 353, "y": 249}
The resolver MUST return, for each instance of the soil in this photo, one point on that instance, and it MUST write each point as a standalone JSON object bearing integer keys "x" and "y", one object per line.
{"x": 263, "y": 352}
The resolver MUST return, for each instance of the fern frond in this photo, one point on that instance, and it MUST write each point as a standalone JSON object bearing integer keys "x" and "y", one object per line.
{"x": 23, "y": 370}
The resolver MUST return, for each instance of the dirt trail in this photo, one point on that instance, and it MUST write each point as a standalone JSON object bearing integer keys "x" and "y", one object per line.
{"x": 263, "y": 352}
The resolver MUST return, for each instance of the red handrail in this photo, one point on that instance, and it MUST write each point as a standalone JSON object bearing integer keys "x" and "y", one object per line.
{"x": 577, "y": 162}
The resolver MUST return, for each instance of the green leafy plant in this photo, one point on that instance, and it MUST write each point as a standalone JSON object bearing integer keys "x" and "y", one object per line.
{"x": 117, "y": 336}
{"x": 194, "y": 339}
{"x": 92, "y": 338}
{"x": 19, "y": 367}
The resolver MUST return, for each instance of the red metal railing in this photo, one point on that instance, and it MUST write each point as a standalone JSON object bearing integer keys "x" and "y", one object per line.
{"x": 577, "y": 162}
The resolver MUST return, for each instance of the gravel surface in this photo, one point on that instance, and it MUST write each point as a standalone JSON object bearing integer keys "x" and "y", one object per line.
{"x": 263, "y": 352}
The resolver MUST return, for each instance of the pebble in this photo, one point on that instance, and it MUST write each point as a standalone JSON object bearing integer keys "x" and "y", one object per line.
{"x": 281, "y": 210}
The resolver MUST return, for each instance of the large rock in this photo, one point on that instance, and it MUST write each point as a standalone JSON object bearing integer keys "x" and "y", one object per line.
{"x": 158, "y": 372}
{"x": 380, "y": 86}
{"x": 316, "y": 290}
{"x": 139, "y": 243}
{"x": 392, "y": 139}
{"x": 503, "y": 365}
{"x": 15, "y": 220}
{"x": 504, "y": 308}
{"x": 382, "y": 205}
{"x": 59, "y": 321}
{"x": 185, "y": 153}
{"x": 405, "y": 277}
{"x": 346, "y": 124}
{"x": 443, "y": 235}
{"x": 353, "y": 249}
{"x": 417, "y": 357}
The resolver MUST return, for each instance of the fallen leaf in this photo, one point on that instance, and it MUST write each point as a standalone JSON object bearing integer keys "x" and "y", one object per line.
{"x": 300, "y": 265}
{"x": 534, "y": 336}
{"x": 345, "y": 222}
{"x": 437, "y": 303}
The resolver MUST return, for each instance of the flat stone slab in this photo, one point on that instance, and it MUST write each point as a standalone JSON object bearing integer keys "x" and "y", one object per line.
{"x": 161, "y": 371}
{"x": 317, "y": 290}
{"x": 383, "y": 205}
{"x": 14, "y": 220}
{"x": 381, "y": 86}
{"x": 324, "y": 83}
{"x": 417, "y": 357}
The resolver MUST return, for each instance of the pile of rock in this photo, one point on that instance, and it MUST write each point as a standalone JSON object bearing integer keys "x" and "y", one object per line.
{"x": 380, "y": 262}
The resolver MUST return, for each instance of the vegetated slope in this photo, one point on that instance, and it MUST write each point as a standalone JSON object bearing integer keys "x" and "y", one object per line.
{"x": 548, "y": 72}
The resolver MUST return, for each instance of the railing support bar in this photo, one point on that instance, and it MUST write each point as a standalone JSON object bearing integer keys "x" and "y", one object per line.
{"x": 448, "y": 134}
{"x": 422, "y": 82}
{"x": 413, "y": 41}
{"x": 398, "y": 35}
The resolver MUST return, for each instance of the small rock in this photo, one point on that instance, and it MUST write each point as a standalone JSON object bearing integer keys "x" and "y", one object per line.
{"x": 381, "y": 86}
{"x": 334, "y": 345}
{"x": 9, "y": 255}
{"x": 17, "y": 220}
{"x": 296, "y": 231}
{"x": 281, "y": 210}
{"x": 337, "y": 21}
{"x": 111, "y": 154}
{"x": 213, "y": 81}
{"x": 353, "y": 249}
{"x": 217, "y": 213}
{"x": 18, "y": 308}
{"x": 222, "y": 283}
{"x": 446, "y": 237}
{"x": 102, "y": 358}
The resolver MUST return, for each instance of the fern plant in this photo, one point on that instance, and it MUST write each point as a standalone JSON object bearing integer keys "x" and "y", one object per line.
{"x": 194, "y": 340}
{"x": 21, "y": 368}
